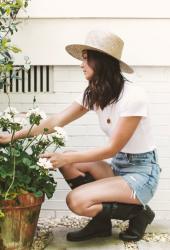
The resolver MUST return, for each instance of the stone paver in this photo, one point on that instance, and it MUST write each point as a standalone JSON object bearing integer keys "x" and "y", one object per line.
{"x": 159, "y": 226}
{"x": 143, "y": 245}
{"x": 59, "y": 242}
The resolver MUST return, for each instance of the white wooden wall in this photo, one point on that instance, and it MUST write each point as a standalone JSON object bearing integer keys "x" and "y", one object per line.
{"x": 144, "y": 26}
{"x": 85, "y": 133}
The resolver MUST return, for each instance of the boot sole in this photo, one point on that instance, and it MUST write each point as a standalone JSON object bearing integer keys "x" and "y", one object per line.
{"x": 121, "y": 237}
{"x": 130, "y": 240}
{"x": 102, "y": 234}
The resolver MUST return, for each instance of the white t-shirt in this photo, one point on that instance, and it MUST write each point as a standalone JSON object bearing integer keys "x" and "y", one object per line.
{"x": 132, "y": 102}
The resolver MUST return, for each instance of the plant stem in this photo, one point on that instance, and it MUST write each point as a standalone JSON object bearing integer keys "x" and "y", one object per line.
{"x": 33, "y": 139}
{"x": 30, "y": 130}
{"x": 13, "y": 133}
{"x": 29, "y": 144}
{"x": 9, "y": 100}
{"x": 47, "y": 147}
{"x": 9, "y": 105}
{"x": 56, "y": 148}
{"x": 28, "y": 133}
{"x": 13, "y": 178}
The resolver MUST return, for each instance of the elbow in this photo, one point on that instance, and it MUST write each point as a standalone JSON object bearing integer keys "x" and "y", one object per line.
{"x": 108, "y": 152}
{"x": 112, "y": 149}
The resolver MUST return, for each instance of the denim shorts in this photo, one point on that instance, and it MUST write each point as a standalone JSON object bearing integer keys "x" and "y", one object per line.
{"x": 140, "y": 171}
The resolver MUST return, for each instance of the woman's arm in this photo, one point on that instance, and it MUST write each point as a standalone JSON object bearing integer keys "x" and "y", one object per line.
{"x": 71, "y": 113}
{"x": 122, "y": 133}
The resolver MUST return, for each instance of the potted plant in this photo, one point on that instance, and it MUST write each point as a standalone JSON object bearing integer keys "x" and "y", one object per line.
{"x": 24, "y": 177}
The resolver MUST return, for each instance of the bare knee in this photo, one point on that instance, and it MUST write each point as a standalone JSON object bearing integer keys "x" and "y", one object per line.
{"x": 66, "y": 169}
{"x": 75, "y": 203}
{"x": 72, "y": 171}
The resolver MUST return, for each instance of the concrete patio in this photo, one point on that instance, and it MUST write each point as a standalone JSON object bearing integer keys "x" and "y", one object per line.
{"x": 161, "y": 240}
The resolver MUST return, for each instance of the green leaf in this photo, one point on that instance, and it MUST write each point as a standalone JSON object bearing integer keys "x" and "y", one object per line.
{"x": 15, "y": 152}
{"x": 4, "y": 43}
{"x": 33, "y": 167}
{"x": 19, "y": 167}
{"x": 38, "y": 194}
{"x": 20, "y": 3}
{"x": 8, "y": 11}
{"x": 26, "y": 179}
{"x": 15, "y": 49}
{"x": 4, "y": 172}
{"x": 26, "y": 161}
{"x": 2, "y": 215}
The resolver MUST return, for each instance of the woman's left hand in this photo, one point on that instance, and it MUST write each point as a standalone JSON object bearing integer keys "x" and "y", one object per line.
{"x": 57, "y": 160}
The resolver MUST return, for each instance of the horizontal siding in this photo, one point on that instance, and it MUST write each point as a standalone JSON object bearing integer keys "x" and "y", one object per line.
{"x": 62, "y": 185}
{"x": 108, "y": 8}
{"x": 163, "y": 195}
{"x": 85, "y": 133}
{"x": 146, "y": 40}
{"x": 156, "y": 82}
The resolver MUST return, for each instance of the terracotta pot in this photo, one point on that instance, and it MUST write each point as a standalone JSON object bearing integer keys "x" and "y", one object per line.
{"x": 18, "y": 227}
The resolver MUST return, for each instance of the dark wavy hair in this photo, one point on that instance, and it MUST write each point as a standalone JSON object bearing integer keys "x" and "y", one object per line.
{"x": 107, "y": 82}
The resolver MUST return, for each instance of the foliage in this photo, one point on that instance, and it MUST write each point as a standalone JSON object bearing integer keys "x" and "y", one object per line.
{"x": 8, "y": 26}
{"x": 20, "y": 168}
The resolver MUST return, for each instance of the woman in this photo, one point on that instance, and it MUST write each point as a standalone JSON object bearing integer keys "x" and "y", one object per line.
{"x": 100, "y": 190}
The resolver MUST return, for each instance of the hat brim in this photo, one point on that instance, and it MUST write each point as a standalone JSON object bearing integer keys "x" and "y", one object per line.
{"x": 76, "y": 50}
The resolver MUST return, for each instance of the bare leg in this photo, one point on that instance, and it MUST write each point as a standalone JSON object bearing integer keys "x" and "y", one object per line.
{"x": 94, "y": 198}
{"x": 98, "y": 170}
{"x": 87, "y": 200}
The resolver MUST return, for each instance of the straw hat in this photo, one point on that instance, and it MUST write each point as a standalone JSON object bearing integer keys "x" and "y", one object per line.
{"x": 101, "y": 41}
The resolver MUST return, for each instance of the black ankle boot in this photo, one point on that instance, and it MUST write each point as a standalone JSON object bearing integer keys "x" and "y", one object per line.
{"x": 137, "y": 225}
{"x": 99, "y": 226}
{"x": 80, "y": 180}
{"x": 123, "y": 211}
{"x": 92, "y": 228}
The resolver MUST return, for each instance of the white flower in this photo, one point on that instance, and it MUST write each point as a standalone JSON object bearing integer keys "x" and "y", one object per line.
{"x": 45, "y": 163}
{"x": 43, "y": 138}
{"x": 26, "y": 58}
{"x": 27, "y": 66}
{"x": 37, "y": 112}
{"x": 27, "y": 63}
{"x": 7, "y": 116}
{"x": 21, "y": 121}
{"x": 50, "y": 137}
{"x": 60, "y": 133}
{"x": 11, "y": 111}
{"x": 38, "y": 137}
{"x": 2, "y": 150}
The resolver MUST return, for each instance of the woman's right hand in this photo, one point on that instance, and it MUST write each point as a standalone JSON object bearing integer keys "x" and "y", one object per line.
{"x": 5, "y": 138}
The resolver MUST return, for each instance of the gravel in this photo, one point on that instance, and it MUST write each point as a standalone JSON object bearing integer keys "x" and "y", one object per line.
{"x": 45, "y": 227}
